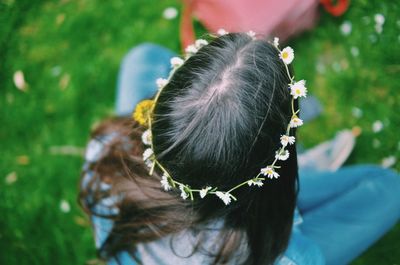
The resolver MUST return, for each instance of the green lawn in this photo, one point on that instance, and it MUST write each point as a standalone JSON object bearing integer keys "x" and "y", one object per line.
{"x": 69, "y": 52}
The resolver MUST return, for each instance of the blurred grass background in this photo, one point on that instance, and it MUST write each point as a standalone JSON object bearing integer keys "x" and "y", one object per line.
{"x": 69, "y": 52}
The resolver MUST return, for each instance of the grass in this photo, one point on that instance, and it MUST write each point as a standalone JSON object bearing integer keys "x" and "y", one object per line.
{"x": 69, "y": 52}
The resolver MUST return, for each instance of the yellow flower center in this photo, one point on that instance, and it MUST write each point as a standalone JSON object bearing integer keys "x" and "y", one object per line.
{"x": 285, "y": 55}
{"x": 143, "y": 111}
{"x": 298, "y": 91}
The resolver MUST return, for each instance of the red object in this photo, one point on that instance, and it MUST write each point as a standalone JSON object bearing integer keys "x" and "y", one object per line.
{"x": 335, "y": 9}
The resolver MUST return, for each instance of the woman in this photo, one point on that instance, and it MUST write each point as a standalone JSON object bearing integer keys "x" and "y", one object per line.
{"x": 217, "y": 123}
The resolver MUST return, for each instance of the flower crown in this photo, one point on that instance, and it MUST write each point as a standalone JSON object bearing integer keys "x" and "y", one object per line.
{"x": 144, "y": 110}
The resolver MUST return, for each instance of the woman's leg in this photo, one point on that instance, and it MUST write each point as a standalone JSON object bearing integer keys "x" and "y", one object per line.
{"x": 318, "y": 187}
{"x": 346, "y": 225}
{"x": 138, "y": 73}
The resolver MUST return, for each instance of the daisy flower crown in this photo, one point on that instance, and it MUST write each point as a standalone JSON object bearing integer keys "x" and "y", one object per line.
{"x": 144, "y": 110}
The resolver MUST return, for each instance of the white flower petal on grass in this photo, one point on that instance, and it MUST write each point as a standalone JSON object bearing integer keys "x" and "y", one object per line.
{"x": 147, "y": 154}
{"x": 19, "y": 80}
{"x": 11, "y": 178}
{"x": 165, "y": 183}
{"x": 200, "y": 43}
{"x": 226, "y": 197}
{"x": 222, "y": 32}
{"x": 176, "y": 62}
{"x": 184, "y": 194}
{"x": 286, "y": 139}
{"x": 269, "y": 172}
{"x": 379, "y": 19}
{"x": 354, "y": 51}
{"x": 64, "y": 206}
{"x": 295, "y": 122}
{"x": 204, "y": 191}
{"x": 283, "y": 155}
{"x": 287, "y": 55}
{"x": 161, "y": 82}
{"x": 146, "y": 137}
{"x": 255, "y": 182}
{"x": 276, "y": 42}
{"x": 170, "y": 13}
{"x": 377, "y": 126}
{"x": 298, "y": 89}
{"x": 388, "y": 162}
{"x": 345, "y": 28}
{"x": 191, "y": 49}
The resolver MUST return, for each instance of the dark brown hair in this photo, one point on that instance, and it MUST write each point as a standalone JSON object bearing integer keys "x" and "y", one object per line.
{"x": 217, "y": 122}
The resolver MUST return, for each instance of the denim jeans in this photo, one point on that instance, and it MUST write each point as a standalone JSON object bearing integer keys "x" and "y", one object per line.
{"x": 342, "y": 213}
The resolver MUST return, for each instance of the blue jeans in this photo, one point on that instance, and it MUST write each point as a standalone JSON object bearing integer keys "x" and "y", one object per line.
{"x": 342, "y": 212}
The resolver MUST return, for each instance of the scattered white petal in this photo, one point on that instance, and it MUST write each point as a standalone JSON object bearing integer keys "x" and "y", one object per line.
{"x": 161, "y": 82}
{"x": 226, "y": 197}
{"x": 283, "y": 155}
{"x": 146, "y": 137}
{"x": 379, "y": 19}
{"x": 295, "y": 122}
{"x": 147, "y": 154}
{"x": 222, "y": 32}
{"x": 170, "y": 13}
{"x": 356, "y": 112}
{"x": 64, "y": 206}
{"x": 176, "y": 62}
{"x": 286, "y": 139}
{"x": 354, "y": 51}
{"x": 269, "y": 172}
{"x": 388, "y": 161}
{"x": 378, "y": 28}
{"x": 298, "y": 89}
{"x": 11, "y": 178}
{"x": 255, "y": 182}
{"x": 372, "y": 38}
{"x": 204, "y": 191}
{"x": 287, "y": 55}
{"x": 184, "y": 194}
{"x": 19, "y": 80}
{"x": 345, "y": 28}
{"x": 320, "y": 67}
{"x": 276, "y": 42}
{"x": 336, "y": 67}
{"x": 56, "y": 70}
{"x": 377, "y": 126}
{"x": 165, "y": 183}
{"x": 200, "y": 43}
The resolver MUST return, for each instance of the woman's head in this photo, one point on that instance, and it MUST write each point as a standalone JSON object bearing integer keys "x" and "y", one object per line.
{"x": 217, "y": 123}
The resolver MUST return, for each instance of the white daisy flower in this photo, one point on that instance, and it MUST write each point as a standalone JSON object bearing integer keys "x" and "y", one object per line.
{"x": 257, "y": 182}
{"x": 170, "y": 13}
{"x": 184, "y": 194}
{"x": 226, "y": 197}
{"x": 286, "y": 139}
{"x": 165, "y": 183}
{"x": 161, "y": 82}
{"x": 147, "y": 154}
{"x": 377, "y": 126}
{"x": 276, "y": 42}
{"x": 222, "y": 32}
{"x": 269, "y": 172}
{"x": 251, "y": 34}
{"x": 283, "y": 155}
{"x": 379, "y": 19}
{"x": 149, "y": 163}
{"x": 191, "y": 49}
{"x": 287, "y": 55}
{"x": 388, "y": 162}
{"x": 295, "y": 122}
{"x": 176, "y": 62}
{"x": 298, "y": 89}
{"x": 345, "y": 28}
{"x": 200, "y": 43}
{"x": 204, "y": 191}
{"x": 146, "y": 137}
